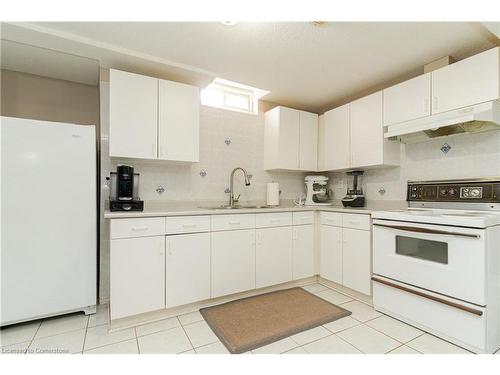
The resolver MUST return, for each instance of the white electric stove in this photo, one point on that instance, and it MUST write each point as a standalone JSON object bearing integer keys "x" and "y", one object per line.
{"x": 436, "y": 265}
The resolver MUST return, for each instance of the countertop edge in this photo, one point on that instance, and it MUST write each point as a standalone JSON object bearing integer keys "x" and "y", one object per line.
{"x": 201, "y": 211}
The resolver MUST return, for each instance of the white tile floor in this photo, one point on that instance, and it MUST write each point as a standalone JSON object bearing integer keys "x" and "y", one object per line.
{"x": 365, "y": 331}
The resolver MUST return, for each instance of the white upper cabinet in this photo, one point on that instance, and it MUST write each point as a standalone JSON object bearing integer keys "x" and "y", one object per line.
{"x": 333, "y": 140}
{"x": 133, "y": 115}
{"x": 290, "y": 139}
{"x": 152, "y": 118}
{"x": 179, "y": 121}
{"x": 368, "y": 146}
{"x": 308, "y": 139}
{"x": 408, "y": 100}
{"x": 467, "y": 82}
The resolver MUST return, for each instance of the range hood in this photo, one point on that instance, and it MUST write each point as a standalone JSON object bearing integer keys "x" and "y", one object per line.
{"x": 473, "y": 119}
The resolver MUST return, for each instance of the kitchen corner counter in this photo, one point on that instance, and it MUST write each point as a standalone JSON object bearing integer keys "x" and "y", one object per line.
{"x": 169, "y": 208}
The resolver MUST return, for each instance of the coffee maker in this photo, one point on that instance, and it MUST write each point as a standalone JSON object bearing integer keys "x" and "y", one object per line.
{"x": 355, "y": 196}
{"x": 124, "y": 193}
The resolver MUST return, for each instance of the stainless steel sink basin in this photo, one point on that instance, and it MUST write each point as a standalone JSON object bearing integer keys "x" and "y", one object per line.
{"x": 236, "y": 207}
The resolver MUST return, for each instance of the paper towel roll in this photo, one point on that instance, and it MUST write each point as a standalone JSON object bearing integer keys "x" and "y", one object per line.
{"x": 273, "y": 194}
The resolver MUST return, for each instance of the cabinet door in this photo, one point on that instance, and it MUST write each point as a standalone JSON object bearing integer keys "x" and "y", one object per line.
{"x": 179, "y": 121}
{"x": 133, "y": 115}
{"x": 137, "y": 276}
{"x": 466, "y": 82}
{"x": 303, "y": 251}
{"x": 367, "y": 136}
{"x": 188, "y": 268}
{"x": 308, "y": 139}
{"x": 334, "y": 143}
{"x": 408, "y": 100}
{"x": 289, "y": 135}
{"x": 273, "y": 258}
{"x": 356, "y": 260}
{"x": 233, "y": 262}
{"x": 331, "y": 253}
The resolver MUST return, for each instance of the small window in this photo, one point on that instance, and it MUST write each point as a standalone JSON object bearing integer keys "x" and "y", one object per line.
{"x": 233, "y": 96}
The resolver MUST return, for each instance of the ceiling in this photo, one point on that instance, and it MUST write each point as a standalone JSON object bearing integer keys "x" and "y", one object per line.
{"x": 302, "y": 65}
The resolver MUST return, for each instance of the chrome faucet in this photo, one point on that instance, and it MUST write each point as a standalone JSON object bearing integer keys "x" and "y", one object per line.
{"x": 232, "y": 199}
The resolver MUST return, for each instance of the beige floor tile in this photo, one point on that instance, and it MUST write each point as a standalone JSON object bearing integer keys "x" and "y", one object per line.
{"x": 19, "y": 348}
{"x": 99, "y": 336}
{"x": 310, "y": 335}
{"x": 429, "y": 344}
{"x": 361, "y": 311}
{"x": 403, "y": 350}
{"x": 277, "y": 347}
{"x": 314, "y": 288}
{"x": 190, "y": 318}
{"x": 341, "y": 324}
{"x": 368, "y": 340}
{"x": 214, "y": 348}
{"x": 192, "y": 351}
{"x": 297, "y": 350}
{"x": 62, "y": 324}
{"x": 124, "y": 347}
{"x": 395, "y": 329}
{"x": 64, "y": 343}
{"x": 200, "y": 334}
{"x": 17, "y": 333}
{"x": 161, "y": 325}
{"x": 333, "y": 297}
{"x": 100, "y": 317}
{"x": 330, "y": 345}
{"x": 171, "y": 341}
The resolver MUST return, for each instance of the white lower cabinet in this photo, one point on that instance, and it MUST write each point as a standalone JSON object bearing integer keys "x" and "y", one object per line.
{"x": 273, "y": 258}
{"x": 303, "y": 251}
{"x": 187, "y": 268}
{"x": 137, "y": 276}
{"x": 345, "y": 252}
{"x": 331, "y": 253}
{"x": 233, "y": 261}
{"x": 356, "y": 260}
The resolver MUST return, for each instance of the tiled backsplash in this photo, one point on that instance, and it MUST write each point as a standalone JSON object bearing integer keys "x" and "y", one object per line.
{"x": 227, "y": 140}
{"x": 473, "y": 155}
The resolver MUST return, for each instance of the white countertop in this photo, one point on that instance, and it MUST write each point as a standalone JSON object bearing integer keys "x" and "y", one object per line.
{"x": 174, "y": 208}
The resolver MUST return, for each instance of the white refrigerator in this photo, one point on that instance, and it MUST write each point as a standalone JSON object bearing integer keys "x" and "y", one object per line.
{"x": 48, "y": 219}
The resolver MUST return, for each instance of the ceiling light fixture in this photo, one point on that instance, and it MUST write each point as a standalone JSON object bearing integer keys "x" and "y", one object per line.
{"x": 228, "y": 23}
{"x": 319, "y": 23}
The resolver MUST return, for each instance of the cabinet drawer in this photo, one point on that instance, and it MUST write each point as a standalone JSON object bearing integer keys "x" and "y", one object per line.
{"x": 229, "y": 222}
{"x": 187, "y": 224}
{"x": 300, "y": 218}
{"x": 137, "y": 227}
{"x": 356, "y": 221}
{"x": 331, "y": 218}
{"x": 278, "y": 219}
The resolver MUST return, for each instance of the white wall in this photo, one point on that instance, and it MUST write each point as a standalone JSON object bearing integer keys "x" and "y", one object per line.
{"x": 473, "y": 155}
{"x": 183, "y": 183}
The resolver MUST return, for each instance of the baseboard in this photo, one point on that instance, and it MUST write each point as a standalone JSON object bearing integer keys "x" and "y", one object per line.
{"x": 347, "y": 291}
{"x": 150, "y": 317}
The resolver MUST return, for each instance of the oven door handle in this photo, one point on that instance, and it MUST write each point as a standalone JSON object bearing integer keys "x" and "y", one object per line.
{"x": 427, "y": 230}
{"x": 428, "y": 296}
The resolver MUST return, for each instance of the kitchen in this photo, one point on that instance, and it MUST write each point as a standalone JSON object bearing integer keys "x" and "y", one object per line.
{"x": 222, "y": 209}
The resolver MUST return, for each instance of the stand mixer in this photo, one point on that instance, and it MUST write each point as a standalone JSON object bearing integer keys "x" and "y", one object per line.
{"x": 317, "y": 192}
{"x": 355, "y": 196}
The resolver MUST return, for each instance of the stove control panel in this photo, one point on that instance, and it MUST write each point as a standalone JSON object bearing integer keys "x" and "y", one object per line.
{"x": 455, "y": 191}
{"x": 474, "y": 192}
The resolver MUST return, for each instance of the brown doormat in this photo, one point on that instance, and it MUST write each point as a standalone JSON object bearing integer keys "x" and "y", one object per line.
{"x": 252, "y": 322}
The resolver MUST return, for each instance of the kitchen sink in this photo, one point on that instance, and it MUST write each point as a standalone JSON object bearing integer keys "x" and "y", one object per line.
{"x": 236, "y": 207}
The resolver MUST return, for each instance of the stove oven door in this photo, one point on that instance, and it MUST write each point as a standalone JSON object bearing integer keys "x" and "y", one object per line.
{"x": 443, "y": 259}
